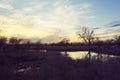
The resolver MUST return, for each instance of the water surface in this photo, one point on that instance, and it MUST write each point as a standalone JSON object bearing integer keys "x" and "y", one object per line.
{"x": 83, "y": 54}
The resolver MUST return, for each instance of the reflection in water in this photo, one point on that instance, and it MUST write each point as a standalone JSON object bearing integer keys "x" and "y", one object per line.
{"x": 25, "y": 68}
{"x": 79, "y": 54}
{"x": 83, "y": 54}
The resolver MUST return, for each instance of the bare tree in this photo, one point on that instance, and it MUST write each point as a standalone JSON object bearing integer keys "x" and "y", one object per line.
{"x": 14, "y": 40}
{"x": 3, "y": 40}
{"x": 117, "y": 39}
{"x": 87, "y": 35}
{"x": 65, "y": 41}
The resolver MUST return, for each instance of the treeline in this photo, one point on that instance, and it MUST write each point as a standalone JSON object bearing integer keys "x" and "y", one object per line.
{"x": 110, "y": 42}
{"x": 15, "y": 44}
{"x": 14, "y": 41}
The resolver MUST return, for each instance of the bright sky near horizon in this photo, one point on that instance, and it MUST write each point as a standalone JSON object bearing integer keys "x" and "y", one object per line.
{"x": 53, "y": 20}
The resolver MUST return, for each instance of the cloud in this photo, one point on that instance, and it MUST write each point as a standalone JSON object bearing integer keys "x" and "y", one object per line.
{"x": 7, "y": 1}
{"x": 41, "y": 18}
{"x": 6, "y": 6}
{"x": 114, "y": 24}
{"x": 107, "y": 32}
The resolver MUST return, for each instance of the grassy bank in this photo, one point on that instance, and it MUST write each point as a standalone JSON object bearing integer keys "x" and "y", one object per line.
{"x": 55, "y": 66}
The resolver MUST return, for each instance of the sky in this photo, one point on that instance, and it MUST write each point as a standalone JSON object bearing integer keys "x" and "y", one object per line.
{"x": 53, "y": 20}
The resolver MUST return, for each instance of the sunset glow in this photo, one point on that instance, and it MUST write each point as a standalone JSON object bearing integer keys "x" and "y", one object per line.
{"x": 53, "y": 20}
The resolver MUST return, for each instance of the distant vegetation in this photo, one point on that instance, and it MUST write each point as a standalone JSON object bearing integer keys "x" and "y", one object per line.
{"x": 17, "y": 44}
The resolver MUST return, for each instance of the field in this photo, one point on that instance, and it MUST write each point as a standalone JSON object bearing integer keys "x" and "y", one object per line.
{"x": 51, "y": 65}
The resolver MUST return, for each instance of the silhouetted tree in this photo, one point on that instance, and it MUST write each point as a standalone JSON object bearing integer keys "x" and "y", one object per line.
{"x": 3, "y": 40}
{"x": 14, "y": 40}
{"x": 65, "y": 41}
{"x": 117, "y": 39}
{"x": 87, "y": 35}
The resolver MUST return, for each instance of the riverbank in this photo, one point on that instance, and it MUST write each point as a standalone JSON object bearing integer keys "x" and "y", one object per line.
{"x": 55, "y": 66}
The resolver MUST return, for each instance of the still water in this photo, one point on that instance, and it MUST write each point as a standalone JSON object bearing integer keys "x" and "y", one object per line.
{"x": 83, "y": 54}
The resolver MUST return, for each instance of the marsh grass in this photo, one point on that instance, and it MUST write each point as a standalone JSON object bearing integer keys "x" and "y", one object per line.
{"x": 55, "y": 66}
